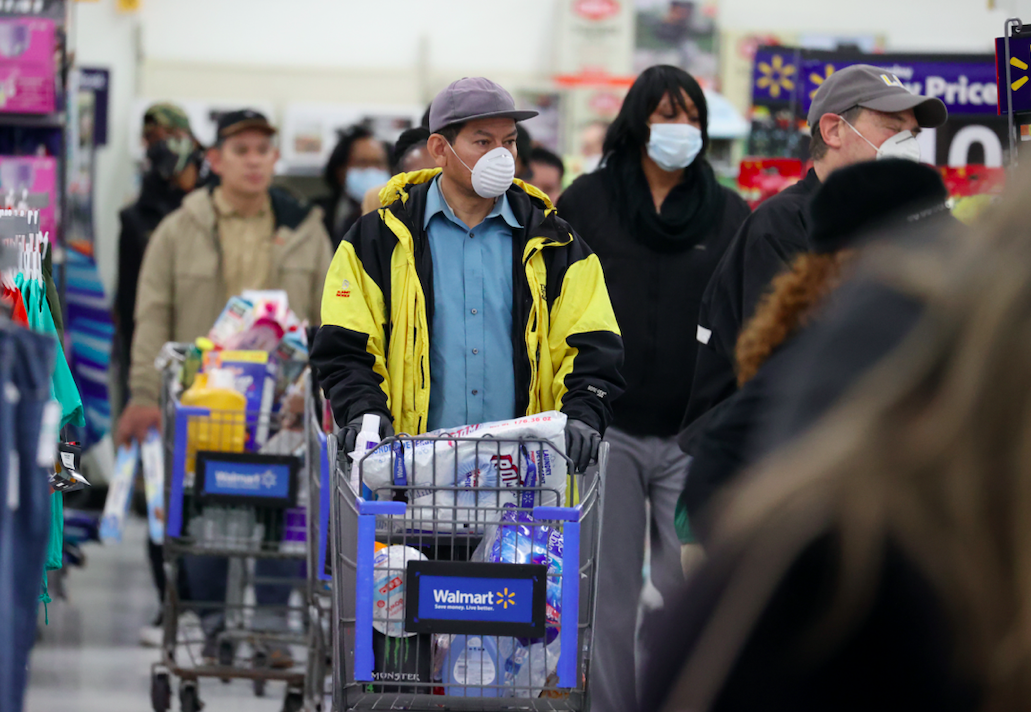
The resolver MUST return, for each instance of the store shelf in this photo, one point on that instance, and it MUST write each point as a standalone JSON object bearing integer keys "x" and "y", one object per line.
{"x": 43, "y": 121}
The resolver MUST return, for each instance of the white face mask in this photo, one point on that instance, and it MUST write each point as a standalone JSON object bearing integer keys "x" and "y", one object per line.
{"x": 902, "y": 145}
{"x": 674, "y": 146}
{"x": 493, "y": 173}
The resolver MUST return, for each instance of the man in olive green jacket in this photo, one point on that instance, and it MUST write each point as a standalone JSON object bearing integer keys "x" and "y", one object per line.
{"x": 240, "y": 235}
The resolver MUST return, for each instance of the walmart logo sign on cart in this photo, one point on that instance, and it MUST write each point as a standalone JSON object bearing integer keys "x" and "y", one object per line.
{"x": 455, "y": 598}
{"x": 243, "y": 479}
{"x": 243, "y": 482}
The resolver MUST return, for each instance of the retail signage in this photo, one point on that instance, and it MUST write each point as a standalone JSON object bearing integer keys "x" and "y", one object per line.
{"x": 596, "y": 9}
{"x": 97, "y": 81}
{"x": 267, "y": 480}
{"x": 476, "y": 598}
{"x": 966, "y": 83}
{"x": 1019, "y": 73}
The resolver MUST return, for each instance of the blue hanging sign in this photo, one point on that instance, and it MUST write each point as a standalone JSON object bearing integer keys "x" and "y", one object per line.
{"x": 1020, "y": 73}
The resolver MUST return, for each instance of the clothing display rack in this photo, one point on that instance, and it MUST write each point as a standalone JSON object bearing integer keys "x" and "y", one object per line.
{"x": 42, "y": 133}
{"x": 38, "y": 398}
{"x": 37, "y": 393}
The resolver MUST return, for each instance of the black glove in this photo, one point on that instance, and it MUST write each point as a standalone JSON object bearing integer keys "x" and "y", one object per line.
{"x": 349, "y": 435}
{"x": 582, "y": 442}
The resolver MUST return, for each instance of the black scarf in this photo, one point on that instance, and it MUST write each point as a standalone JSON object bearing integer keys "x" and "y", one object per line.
{"x": 689, "y": 213}
{"x": 159, "y": 194}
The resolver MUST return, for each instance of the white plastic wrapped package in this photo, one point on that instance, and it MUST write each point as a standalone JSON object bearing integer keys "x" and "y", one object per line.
{"x": 472, "y": 466}
{"x": 388, "y": 597}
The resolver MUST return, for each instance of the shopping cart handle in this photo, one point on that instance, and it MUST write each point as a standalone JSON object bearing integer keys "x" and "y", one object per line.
{"x": 381, "y": 508}
{"x": 560, "y": 514}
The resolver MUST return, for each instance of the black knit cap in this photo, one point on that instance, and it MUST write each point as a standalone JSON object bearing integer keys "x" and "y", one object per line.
{"x": 872, "y": 195}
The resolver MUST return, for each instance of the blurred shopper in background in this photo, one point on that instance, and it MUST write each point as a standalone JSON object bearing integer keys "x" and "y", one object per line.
{"x": 486, "y": 254}
{"x": 548, "y": 171}
{"x": 359, "y": 162}
{"x": 659, "y": 221}
{"x": 860, "y": 113}
{"x": 410, "y": 155}
{"x": 164, "y": 120}
{"x": 592, "y": 144}
{"x": 881, "y": 560}
{"x": 853, "y": 202}
{"x": 524, "y": 146}
{"x": 174, "y": 159}
{"x": 223, "y": 240}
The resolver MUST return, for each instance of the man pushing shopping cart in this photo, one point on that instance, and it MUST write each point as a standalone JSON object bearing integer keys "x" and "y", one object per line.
{"x": 466, "y": 300}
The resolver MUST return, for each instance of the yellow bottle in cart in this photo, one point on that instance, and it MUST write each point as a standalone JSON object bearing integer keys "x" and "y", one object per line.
{"x": 225, "y": 430}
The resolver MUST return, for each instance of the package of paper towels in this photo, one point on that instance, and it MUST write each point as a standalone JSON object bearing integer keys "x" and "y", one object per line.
{"x": 484, "y": 468}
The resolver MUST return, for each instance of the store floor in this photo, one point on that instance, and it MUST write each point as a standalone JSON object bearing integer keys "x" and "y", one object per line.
{"x": 89, "y": 658}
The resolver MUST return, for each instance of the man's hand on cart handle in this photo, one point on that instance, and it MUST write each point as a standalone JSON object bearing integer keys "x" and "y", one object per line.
{"x": 135, "y": 422}
{"x": 349, "y": 435}
{"x": 582, "y": 442}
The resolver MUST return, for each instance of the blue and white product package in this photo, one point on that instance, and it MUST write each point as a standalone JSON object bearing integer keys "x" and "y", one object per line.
{"x": 119, "y": 493}
{"x": 470, "y": 664}
{"x": 388, "y": 597}
{"x": 487, "y": 456}
{"x": 526, "y": 664}
{"x": 152, "y": 455}
{"x": 254, "y": 375}
{"x": 234, "y": 319}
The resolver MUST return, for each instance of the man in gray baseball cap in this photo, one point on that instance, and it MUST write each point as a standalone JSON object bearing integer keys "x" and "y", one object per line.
{"x": 863, "y": 112}
{"x": 860, "y": 113}
{"x": 465, "y": 298}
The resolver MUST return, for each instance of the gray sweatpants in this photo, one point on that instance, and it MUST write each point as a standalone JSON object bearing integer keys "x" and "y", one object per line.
{"x": 641, "y": 469}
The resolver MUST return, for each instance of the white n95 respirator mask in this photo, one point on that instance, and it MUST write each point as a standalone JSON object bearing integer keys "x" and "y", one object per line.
{"x": 493, "y": 173}
{"x": 902, "y": 145}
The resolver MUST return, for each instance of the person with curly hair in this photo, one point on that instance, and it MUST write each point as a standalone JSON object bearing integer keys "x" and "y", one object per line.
{"x": 855, "y": 204}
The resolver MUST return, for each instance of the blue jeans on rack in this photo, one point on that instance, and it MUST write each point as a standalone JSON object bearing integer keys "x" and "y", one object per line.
{"x": 26, "y": 365}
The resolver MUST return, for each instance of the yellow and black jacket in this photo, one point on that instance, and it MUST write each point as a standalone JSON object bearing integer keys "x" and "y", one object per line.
{"x": 372, "y": 353}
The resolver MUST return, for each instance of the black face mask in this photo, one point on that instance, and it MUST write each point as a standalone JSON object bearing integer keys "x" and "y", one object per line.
{"x": 170, "y": 157}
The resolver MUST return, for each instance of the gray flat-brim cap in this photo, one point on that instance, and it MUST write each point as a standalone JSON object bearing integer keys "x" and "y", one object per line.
{"x": 472, "y": 98}
{"x": 877, "y": 89}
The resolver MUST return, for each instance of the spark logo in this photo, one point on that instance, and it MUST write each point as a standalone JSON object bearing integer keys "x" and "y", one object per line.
{"x": 819, "y": 79}
{"x": 1021, "y": 65}
{"x": 506, "y": 598}
{"x": 776, "y": 76}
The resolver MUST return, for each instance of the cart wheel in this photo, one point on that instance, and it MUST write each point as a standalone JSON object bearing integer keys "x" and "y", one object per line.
{"x": 260, "y": 662}
{"x": 160, "y": 692}
{"x": 294, "y": 702}
{"x": 189, "y": 699}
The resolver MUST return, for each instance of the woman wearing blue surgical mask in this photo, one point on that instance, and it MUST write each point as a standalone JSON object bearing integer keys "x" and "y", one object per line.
{"x": 358, "y": 163}
{"x": 659, "y": 222}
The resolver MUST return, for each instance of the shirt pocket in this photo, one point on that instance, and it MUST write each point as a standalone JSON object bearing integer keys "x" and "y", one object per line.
{"x": 197, "y": 279}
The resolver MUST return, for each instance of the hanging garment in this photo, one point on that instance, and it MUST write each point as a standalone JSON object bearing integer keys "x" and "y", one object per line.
{"x": 26, "y": 364}
{"x": 18, "y": 313}
{"x": 41, "y": 321}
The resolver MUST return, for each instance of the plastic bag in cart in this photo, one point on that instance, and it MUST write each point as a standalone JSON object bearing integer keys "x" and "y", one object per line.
{"x": 487, "y": 456}
{"x": 525, "y": 664}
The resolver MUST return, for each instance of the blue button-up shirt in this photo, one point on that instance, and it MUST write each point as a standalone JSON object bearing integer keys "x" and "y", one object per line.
{"x": 472, "y": 376}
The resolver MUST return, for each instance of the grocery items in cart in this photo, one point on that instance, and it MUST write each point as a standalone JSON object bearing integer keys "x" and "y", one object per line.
{"x": 494, "y": 576}
{"x": 237, "y": 508}
{"x": 457, "y": 477}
